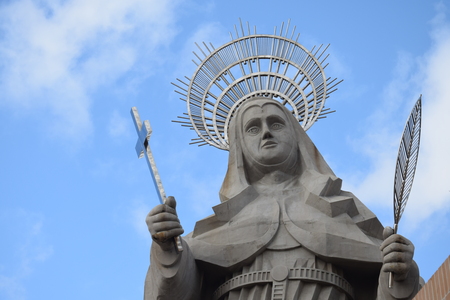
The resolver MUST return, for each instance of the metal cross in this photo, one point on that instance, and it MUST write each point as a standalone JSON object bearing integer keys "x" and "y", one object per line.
{"x": 144, "y": 130}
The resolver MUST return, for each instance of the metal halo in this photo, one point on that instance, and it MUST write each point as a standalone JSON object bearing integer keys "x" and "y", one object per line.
{"x": 272, "y": 66}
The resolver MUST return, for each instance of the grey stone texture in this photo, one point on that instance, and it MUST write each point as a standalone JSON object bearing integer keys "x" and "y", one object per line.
{"x": 284, "y": 228}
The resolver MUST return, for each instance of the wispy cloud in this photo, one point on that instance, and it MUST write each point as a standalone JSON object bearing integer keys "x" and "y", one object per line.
{"x": 118, "y": 125}
{"x": 427, "y": 75}
{"x": 137, "y": 213}
{"x": 55, "y": 54}
{"x": 380, "y": 142}
{"x": 24, "y": 247}
{"x": 208, "y": 33}
{"x": 201, "y": 194}
{"x": 433, "y": 174}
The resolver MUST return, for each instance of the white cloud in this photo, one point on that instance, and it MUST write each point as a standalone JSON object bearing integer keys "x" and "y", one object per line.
{"x": 136, "y": 216}
{"x": 427, "y": 75}
{"x": 203, "y": 194}
{"x": 209, "y": 33}
{"x": 11, "y": 288}
{"x": 433, "y": 174}
{"x": 118, "y": 125}
{"x": 24, "y": 247}
{"x": 381, "y": 141}
{"x": 55, "y": 54}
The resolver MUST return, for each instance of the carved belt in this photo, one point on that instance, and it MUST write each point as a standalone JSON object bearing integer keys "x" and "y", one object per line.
{"x": 279, "y": 277}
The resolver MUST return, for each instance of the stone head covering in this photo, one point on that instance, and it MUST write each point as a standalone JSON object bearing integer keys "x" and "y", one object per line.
{"x": 314, "y": 173}
{"x": 316, "y": 213}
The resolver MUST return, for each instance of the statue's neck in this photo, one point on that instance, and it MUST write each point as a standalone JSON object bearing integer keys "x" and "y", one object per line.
{"x": 274, "y": 178}
{"x": 273, "y": 181}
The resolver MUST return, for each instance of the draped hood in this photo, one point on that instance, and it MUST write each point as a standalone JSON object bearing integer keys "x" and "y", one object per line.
{"x": 330, "y": 222}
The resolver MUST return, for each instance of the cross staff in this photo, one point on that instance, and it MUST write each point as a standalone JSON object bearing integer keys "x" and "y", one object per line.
{"x": 144, "y": 131}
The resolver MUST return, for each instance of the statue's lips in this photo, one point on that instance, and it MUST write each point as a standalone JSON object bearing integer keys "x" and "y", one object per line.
{"x": 269, "y": 144}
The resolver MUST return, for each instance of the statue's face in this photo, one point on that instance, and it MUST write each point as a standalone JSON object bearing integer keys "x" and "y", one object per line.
{"x": 267, "y": 134}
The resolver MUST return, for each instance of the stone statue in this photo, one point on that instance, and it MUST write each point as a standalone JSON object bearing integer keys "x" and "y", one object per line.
{"x": 284, "y": 228}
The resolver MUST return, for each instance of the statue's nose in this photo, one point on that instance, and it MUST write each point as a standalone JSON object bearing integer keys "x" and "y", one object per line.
{"x": 267, "y": 134}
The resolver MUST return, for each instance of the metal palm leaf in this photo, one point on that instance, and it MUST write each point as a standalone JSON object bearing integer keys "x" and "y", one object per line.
{"x": 408, "y": 154}
{"x": 405, "y": 168}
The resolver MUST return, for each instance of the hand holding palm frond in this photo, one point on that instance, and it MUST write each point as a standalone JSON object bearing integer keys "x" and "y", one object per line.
{"x": 405, "y": 169}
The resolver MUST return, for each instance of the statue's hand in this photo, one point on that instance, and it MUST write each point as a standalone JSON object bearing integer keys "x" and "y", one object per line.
{"x": 397, "y": 253}
{"x": 163, "y": 224}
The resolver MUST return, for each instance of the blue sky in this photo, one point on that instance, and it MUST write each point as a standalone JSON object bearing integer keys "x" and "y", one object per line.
{"x": 73, "y": 195}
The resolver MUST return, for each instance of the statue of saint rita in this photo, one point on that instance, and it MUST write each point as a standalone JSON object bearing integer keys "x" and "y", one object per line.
{"x": 284, "y": 228}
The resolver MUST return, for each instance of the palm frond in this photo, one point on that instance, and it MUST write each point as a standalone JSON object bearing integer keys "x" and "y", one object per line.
{"x": 408, "y": 154}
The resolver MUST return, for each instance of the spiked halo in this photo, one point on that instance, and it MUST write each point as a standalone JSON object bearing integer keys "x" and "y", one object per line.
{"x": 254, "y": 65}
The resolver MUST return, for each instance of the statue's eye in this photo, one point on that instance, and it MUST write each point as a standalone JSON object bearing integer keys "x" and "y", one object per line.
{"x": 277, "y": 126}
{"x": 253, "y": 130}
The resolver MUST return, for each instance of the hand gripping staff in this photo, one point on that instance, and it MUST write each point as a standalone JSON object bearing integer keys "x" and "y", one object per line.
{"x": 405, "y": 168}
{"x": 144, "y": 131}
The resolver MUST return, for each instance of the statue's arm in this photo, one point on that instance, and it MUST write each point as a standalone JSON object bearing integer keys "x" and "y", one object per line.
{"x": 172, "y": 274}
{"x": 397, "y": 252}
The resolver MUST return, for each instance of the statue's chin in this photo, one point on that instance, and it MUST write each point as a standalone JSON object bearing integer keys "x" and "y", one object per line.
{"x": 270, "y": 156}
{"x": 271, "y": 161}
{"x": 258, "y": 168}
